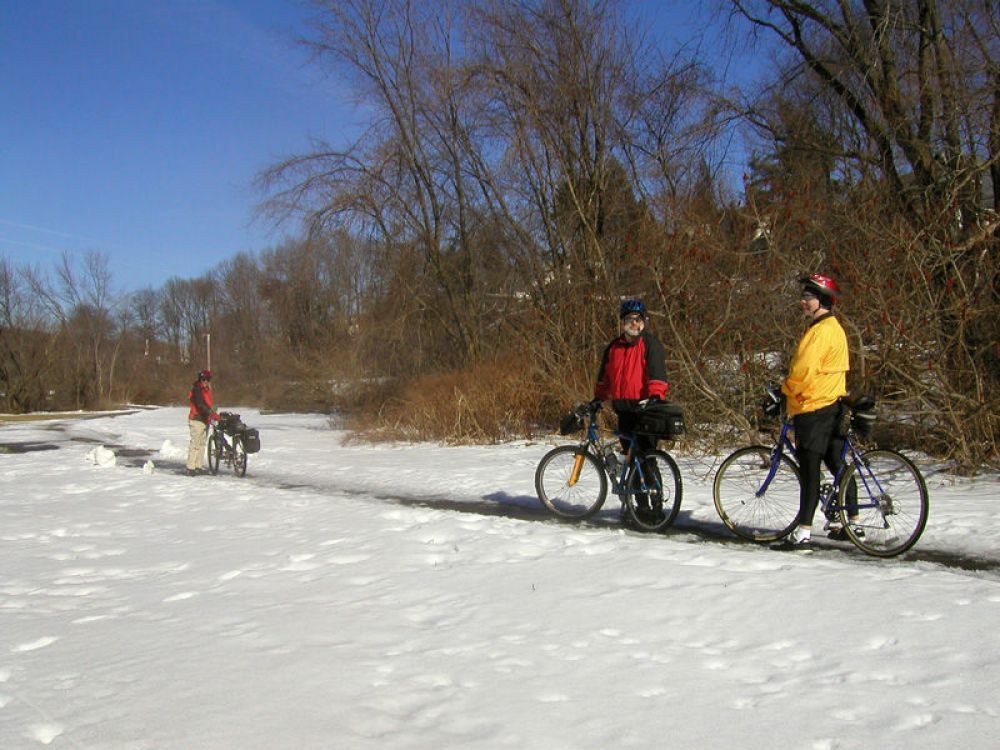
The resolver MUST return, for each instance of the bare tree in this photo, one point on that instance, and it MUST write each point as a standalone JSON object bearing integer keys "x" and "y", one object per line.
{"x": 26, "y": 343}
{"x": 187, "y": 308}
{"x": 923, "y": 97}
{"x": 407, "y": 180}
{"x": 84, "y": 306}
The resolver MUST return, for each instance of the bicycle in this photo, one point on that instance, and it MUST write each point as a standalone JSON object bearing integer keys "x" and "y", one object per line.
{"x": 572, "y": 480}
{"x": 756, "y": 489}
{"x": 227, "y": 444}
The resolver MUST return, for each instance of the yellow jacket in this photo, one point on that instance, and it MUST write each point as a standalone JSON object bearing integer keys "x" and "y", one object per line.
{"x": 818, "y": 373}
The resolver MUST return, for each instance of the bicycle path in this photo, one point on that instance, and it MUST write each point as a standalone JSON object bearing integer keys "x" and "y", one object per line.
{"x": 528, "y": 508}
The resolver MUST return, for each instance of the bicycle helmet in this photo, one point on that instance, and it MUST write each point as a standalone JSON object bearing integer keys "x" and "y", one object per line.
{"x": 631, "y": 307}
{"x": 824, "y": 287}
{"x": 205, "y": 375}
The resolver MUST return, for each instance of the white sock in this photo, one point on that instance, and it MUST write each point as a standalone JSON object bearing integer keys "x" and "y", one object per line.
{"x": 801, "y": 533}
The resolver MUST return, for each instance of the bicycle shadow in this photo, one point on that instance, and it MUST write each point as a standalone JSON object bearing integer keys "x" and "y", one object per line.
{"x": 715, "y": 532}
{"x": 530, "y": 508}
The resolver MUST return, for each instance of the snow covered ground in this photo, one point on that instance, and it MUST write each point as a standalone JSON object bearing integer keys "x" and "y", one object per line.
{"x": 373, "y": 596}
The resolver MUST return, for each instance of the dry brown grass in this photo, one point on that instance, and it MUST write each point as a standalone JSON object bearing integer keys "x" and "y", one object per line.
{"x": 5, "y": 418}
{"x": 488, "y": 403}
{"x": 48, "y": 416}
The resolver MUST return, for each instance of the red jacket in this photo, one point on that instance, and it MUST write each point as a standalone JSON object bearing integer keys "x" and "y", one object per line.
{"x": 200, "y": 399}
{"x": 632, "y": 370}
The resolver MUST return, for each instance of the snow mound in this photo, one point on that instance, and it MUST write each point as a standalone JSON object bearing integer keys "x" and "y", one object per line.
{"x": 169, "y": 450}
{"x": 101, "y": 456}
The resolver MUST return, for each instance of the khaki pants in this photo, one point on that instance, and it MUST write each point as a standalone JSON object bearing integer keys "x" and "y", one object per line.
{"x": 196, "y": 448}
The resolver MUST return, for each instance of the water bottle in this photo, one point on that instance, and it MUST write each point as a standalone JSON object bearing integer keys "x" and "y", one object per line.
{"x": 611, "y": 459}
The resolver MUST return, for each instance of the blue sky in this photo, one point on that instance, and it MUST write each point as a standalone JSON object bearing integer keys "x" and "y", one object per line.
{"x": 136, "y": 127}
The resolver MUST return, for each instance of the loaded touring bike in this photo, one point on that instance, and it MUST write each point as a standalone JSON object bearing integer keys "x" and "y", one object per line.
{"x": 879, "y": 498}
{"x": 229, "y": 443}
{"x": 572, "y": 480}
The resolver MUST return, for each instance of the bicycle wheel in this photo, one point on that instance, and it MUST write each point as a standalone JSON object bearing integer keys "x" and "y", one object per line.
{"x": 239, "y": 457}
{"x": 893, "y": 501}
{"x": 748, "y": 507}
{"x": 214, "y": 451}
{"x": 571, "y": 482}
{"x": 663, "y": 488}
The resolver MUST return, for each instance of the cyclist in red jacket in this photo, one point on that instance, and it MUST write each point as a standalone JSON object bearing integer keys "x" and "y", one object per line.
{"x": 200, "y": 415}
{"x": 633, "y": 368}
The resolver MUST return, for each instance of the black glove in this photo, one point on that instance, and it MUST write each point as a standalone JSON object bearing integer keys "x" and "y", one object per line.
{"x": 595, "y": 404}
{"x": 774, "y": 402}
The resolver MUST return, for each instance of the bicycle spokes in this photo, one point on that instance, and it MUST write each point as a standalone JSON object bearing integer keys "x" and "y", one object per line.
{"x": 892, "y": 503}
{"x": 652, "y": 491}
{"x": 756, "y": 493}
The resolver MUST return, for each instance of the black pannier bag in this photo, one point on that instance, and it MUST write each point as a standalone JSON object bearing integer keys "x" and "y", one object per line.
{"x": 662, "y": 419}
{"x": 863, "y": 419}
{"x": 251, "y": 440}
{"x": 572, "y": 422}
{"x": 231, "y": 424}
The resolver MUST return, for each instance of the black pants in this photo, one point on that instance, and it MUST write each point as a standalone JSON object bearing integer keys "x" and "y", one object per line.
{"x": 643, "y": 444}
{"x": 626, "y": 423}
{"x": 817, "y": 443}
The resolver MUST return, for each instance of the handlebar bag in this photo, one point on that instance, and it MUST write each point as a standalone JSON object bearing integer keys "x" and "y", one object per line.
{"x": 663, "y": 419}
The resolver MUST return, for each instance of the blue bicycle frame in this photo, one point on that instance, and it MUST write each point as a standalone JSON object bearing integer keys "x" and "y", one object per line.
{"x": 784, "y": 446}
{"x": 878, "y": 496}
{"x": 619, "y": 484}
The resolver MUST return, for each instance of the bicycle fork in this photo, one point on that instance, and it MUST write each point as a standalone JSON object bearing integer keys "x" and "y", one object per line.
{"x": 772, "y": 470}
{"x": 574, "y": 475}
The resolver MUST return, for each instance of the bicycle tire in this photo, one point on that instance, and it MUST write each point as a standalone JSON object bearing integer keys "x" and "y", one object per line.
{"x": 758, "y": 517}
{"x": 239, "y": 457}
{"x": 670, "y": 489}
{"x": 899, "y": 514}
{"x": 214, "y": 452}
{"x": 574, "y": 501}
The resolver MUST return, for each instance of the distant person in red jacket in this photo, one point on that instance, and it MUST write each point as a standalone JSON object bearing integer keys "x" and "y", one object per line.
{"x": 633, "y": 368}
{"x": 200, "y": 415}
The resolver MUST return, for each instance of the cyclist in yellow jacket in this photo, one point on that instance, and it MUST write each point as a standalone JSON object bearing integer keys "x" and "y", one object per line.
{"x": 817, "y": 380}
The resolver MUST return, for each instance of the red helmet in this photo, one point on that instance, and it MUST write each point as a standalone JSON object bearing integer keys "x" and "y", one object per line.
{"x": 822, "y": 285}
{"x": 205, "y": 375}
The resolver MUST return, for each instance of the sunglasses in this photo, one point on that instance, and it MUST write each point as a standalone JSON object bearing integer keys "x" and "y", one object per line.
{"x": 633, "y": 319}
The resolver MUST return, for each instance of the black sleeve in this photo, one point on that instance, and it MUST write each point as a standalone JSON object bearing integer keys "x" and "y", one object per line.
{"x": 198, "y": 399}
{"x": 656, "y": 359}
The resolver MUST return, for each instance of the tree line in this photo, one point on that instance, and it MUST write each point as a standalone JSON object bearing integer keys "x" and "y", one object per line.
{"x": 526, "y": 165}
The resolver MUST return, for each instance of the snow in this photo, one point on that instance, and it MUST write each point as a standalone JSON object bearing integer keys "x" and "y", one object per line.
{"x": 348, "y": 595}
